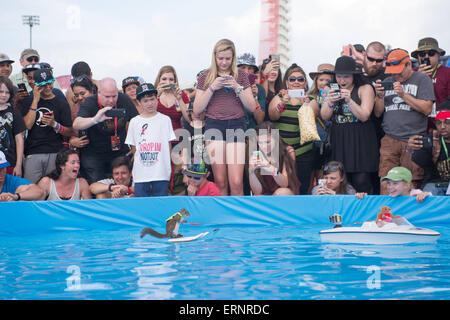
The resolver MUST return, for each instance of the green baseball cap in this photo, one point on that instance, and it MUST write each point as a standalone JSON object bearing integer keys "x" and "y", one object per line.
{"x": 398, "y": 174}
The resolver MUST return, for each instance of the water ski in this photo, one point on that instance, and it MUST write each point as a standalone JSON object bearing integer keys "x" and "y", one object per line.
{"x": 186, "y": 239}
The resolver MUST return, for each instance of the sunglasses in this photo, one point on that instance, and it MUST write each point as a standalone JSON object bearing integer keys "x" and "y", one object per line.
{"x": 78, "y": 79}
{"x": 396, "y": 63}
{"x": 375, "y": 60}
{"x": 31, "y": 59}
{"x": 430, "y": 53}
{"x": 195, "y": 178}
{"x": 331, "y": 168}
{"x": 299, "y": 79}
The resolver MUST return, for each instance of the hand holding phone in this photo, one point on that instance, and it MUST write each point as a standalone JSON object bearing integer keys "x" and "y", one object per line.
{"x": 387, "y": 85}
{"x": 118, "y": 112}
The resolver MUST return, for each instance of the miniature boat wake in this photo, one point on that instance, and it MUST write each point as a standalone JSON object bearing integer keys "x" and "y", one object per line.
{"x": 187, "y": 239}
{"x": 397, "y": 230}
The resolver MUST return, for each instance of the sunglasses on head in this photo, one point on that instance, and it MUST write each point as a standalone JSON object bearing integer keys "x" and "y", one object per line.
{"x": 375, "y": 60}
{"x": 331, "y": 168}
{"x": 395, "y": 63}
{"x": 299, "y": 79}
{"x": 31, "y": 59}
{"x": 78, "y": 79}
{"x": 430, "y": 53}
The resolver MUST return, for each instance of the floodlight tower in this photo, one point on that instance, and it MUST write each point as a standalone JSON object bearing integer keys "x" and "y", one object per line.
{"x": 30, "y": 21}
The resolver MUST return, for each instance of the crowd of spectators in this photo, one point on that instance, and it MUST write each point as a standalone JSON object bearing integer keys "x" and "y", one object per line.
{"x": 234, "y": 130}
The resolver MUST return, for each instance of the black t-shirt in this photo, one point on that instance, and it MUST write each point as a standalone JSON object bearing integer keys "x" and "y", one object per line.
{"x": 42, "y": 138}
{"x": 377, "y": 121}
{"x": 11, "y": 124}
{"x": 100, "y": 134}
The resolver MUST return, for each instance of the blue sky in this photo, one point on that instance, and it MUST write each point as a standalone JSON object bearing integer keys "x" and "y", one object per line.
{"x": 119, "y": 38}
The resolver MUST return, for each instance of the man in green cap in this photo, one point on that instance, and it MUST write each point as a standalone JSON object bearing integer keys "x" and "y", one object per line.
{"x": 428, "y": 54}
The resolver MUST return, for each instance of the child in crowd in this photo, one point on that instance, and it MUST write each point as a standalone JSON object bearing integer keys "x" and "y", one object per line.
{"x": 196, "y": 180}
{"x": 399, "y": 184}
{"x": 150, "y": 134}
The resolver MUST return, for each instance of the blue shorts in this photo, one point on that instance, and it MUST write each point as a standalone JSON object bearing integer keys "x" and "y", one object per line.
{"x": 151, "y": 189}
{"x": 226, "y": 130}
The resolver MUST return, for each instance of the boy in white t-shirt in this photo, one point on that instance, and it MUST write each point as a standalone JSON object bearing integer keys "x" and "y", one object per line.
{"x": 149, "y": 135}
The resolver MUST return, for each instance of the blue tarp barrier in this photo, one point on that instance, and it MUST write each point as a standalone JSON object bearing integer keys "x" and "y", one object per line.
{"x": 44, "y": 216}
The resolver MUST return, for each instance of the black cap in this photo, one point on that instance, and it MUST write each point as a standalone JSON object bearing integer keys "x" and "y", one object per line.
{"x": 145, "y": 88}
{"x": 129, "y": 80}
{"x": 42, "y": 77}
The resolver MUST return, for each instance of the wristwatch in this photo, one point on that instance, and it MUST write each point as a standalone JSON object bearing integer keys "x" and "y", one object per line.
{"x": 238, "y": 90}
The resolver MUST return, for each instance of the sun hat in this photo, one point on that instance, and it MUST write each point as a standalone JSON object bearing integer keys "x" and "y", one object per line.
{"x": 3, "y": 162}
{"x": 196, "y": 169}
{"x": 130, "y": 80}
{"x": 398, "y": 174}
{"x": 396, "y": 60}
{"x": 346, "y": 65}
{"x": 145, "y": 88}
{"x": 324, "y": 68}
{"x": 247, "y": 59}
{"x": 43, "y": 77}
{"x": 29, "y": 53}
{"x": 426, "y": 44}
{"x": 5, "y": 58}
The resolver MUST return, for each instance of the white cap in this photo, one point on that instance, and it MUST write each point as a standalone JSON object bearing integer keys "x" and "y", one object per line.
{"x": 3, "y": 162}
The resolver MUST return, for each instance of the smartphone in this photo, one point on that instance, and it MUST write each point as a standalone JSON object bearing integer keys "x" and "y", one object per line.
{"x": 22, "y": 86}
{"x": 119, "y": 113}
{"x": 322, "y": 182}
{"x": 256, "y": 154}
{"x": 335, "y": 87}
{"x": 427, "y": 143}
{"x": 171, "y": 86}
{"x": 387, "y": 85}
{"x": 298, "y": 93}
{"x": 252, "y": 78}
{"x": 275, "y": 57}
{"x": 82, "y": 133}
{"x": 425, "y": 61}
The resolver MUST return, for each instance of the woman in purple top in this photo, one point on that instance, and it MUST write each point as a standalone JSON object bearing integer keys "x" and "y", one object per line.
{"x": 224, "y": 91}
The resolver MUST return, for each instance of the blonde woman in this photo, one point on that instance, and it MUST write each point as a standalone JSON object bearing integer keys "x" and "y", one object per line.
{"x": 224, "y": 91}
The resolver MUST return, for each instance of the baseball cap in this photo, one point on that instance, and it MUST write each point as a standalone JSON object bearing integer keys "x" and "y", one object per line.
{"x": 3, "y": 162}
{"x": 145, "y": 88}
{"x": 29, "y": 53}
{"x": 43, "y": 77}
{"x": 5, "y": 58}
{"x": 396, "y": 60}
{"x": 398, "y": 174}
{"x": 129, "y": 80}
{"x": 196, "y": 169}
{"x": 31, "y": 67}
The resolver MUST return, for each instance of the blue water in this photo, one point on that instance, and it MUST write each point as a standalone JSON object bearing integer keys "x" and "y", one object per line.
{"x": 235, "y": 262}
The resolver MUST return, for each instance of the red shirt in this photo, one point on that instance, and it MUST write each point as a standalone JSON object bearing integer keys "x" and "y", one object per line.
{"x": 172, "y": 112}
{"x": 208, "y": 189}
{"x": 441, "y": 84}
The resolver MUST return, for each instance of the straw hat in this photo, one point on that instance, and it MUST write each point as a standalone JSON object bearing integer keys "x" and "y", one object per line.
{"x": 324, "y": 68}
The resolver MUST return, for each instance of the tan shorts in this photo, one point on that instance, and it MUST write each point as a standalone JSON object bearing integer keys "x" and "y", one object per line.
{"x": 393, "y": 154}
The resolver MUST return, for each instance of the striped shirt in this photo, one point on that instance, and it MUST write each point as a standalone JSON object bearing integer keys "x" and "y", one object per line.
{"x": 225, "y": 105}
{"x": 289, "y": 129}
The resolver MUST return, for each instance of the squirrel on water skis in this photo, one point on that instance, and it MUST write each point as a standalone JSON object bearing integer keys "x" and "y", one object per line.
{"x": 172, "y": 226}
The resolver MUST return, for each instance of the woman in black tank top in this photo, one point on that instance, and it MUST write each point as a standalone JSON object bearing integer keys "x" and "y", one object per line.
{"x": 352, "y": 135}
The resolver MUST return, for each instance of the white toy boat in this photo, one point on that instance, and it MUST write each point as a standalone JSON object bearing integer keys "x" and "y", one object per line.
{"x": 399, "y": 231}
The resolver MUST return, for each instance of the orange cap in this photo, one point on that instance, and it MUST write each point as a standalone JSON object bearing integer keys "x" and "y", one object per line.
{"x": 396, "y": 60}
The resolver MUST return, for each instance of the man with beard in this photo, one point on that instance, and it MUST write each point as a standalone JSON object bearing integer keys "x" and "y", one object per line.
{"x": 374, "y": 67}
